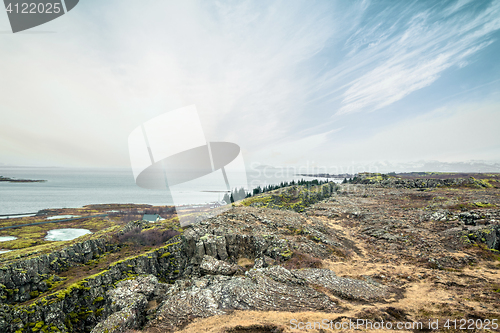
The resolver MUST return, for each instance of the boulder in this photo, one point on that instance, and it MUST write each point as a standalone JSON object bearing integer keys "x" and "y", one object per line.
{"x": 210, "y": 265}
{"x": 128, "y": 301}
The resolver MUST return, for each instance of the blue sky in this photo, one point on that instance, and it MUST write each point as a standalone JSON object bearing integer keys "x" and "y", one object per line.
{"x": 334, "y": 84}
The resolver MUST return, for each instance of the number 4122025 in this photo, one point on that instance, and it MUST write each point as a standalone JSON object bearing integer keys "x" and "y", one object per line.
{"x": 34, "y": 8}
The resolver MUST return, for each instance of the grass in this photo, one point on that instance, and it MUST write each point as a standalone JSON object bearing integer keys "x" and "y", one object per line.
{"x": 32, "y": 236}
{"x": 48, "y": 246}
{"x": 128, "y": 246}
{"x": 246, "y": 263}
{"x": 484, "y": 205}
{"x": 295, "y": 198}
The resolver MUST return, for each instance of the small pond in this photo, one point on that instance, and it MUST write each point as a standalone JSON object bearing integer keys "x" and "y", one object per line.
{"x": 16, "y": 216}
{"x": 61, "y": 217}
{"x": 7, "y": 238}
{"x": 65, "y": 234}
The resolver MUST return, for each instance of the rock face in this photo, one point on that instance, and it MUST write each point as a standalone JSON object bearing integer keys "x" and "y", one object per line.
{"x": 267, "y": 289}
{"x": 493, "y": 238}
{"x": 489, "y": 236}
{"x": 20, "y": 279}
{"x": 79, "y": 307}
{"x": 129, "y": 301}
{"x": 256, "y": 234}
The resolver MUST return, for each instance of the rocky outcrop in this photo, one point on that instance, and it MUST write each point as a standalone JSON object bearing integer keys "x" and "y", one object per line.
{"x": 79, "y": 307}
{"x": 204, "y": 257}
{"x": 490, "y": 236}
{"x": 204, "y": 239}
{"x": 210, "y": 265}
{"x": 128, "y": 303}
{"x": 267, "y": 289}
{"x": 23, "y": 279}
{"x": 469, "y": 218}
{"x": 390, "y": 181}
{"x": 218, "y": 295}
{"x": 343, "y": 287}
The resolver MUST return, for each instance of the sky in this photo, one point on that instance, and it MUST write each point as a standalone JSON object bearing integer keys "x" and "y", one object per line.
{"x": 340, "y": 86}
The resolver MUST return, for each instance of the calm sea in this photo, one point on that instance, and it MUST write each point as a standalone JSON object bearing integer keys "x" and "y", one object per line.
{"x": 72, "y": 188}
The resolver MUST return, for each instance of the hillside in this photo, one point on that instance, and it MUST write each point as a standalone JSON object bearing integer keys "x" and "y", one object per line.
{"x": 376, "y": 250}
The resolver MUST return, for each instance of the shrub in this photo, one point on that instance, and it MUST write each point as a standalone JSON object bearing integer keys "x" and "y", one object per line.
{"x": 131, "y": 216}
{"x": 302, "y": 260}
{"x": 151, "y": 237}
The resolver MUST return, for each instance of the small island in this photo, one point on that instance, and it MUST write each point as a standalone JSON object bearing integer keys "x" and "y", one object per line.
{"x": 12, "y": 180}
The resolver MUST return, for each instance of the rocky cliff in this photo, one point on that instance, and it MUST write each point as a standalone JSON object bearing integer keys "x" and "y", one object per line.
{"x": 397, "y": 182}
{"x": 261, "y": 236}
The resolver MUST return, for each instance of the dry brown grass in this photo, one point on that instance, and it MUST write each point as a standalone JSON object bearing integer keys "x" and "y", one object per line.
{"x": 302, "y": 260}
{"x": 262, "y": 322}
{"x": 246, "y": 263}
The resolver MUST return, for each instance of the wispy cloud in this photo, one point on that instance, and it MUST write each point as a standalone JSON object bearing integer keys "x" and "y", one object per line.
{"x": 262, "y": 74}
{"x": 413, "y": 52}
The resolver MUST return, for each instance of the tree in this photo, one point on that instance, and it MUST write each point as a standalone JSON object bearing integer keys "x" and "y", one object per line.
{"x": 226, "y": 198}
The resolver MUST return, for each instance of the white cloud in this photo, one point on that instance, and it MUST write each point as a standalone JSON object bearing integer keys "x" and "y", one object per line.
{"x": 120, "y": 65}
{"x": 294, "y": 152}
{"x": 415, "y": 56}
{"x": 449, "y": 134}
{"x": 260, "y": 73}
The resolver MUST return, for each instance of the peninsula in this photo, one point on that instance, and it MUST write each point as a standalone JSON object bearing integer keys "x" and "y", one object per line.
{"x": 14, "y": 180}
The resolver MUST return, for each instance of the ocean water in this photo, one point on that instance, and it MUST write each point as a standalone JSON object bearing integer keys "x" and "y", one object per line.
{"x": 73, "y": 188}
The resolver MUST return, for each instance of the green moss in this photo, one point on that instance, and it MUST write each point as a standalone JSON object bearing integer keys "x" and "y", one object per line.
{"x": 376, "y": 178}
{"x": 51, "y": 284}
{"x": 204, "y": 237}
{"x": 166, "y": 254}
{"x": 61, "y": 295}
{"x": 260, "y": 200}
{"x": 85, "y": 314}
{"x": 482, "y": 183}
{"x": 98, "y": 299}
{"x": 12, "y": 291}
{"x": 484, "y": 205}
{"x": 286, "y": 254}
{"x": 38, "y": 326}
{"x": 34, "y": 294}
